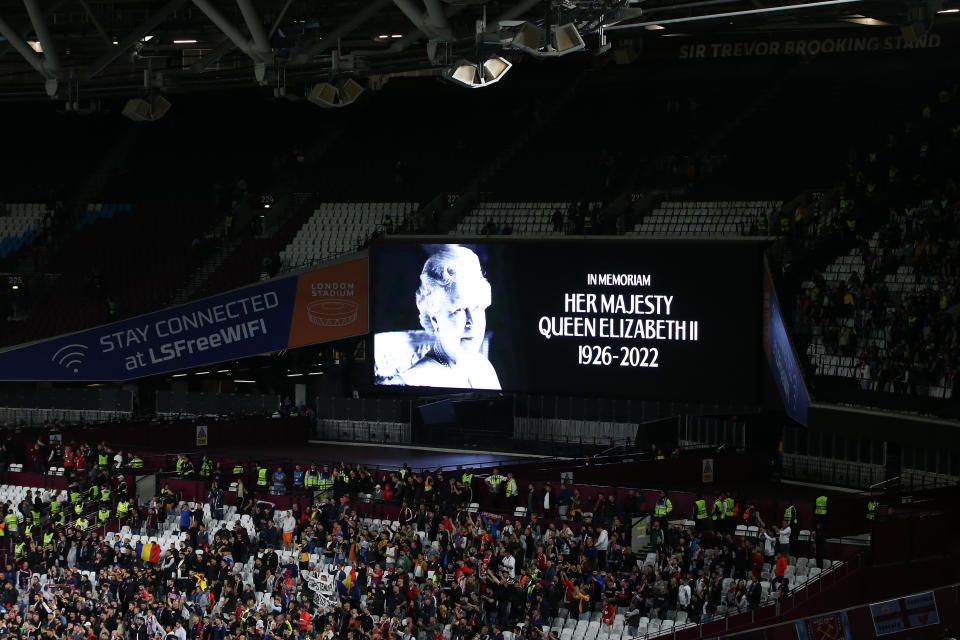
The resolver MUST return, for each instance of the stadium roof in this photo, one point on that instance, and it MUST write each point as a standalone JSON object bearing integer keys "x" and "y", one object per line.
{"x": 74, "y": 49}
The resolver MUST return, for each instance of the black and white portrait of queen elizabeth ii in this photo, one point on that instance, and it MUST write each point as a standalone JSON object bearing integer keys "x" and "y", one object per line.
{"x": 450, "y": 351}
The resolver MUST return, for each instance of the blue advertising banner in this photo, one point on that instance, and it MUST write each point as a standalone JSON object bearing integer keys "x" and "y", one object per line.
{"x": 326, "y": 304}
{"x": 225, "y": 327}
{"x": 780, "y": 354}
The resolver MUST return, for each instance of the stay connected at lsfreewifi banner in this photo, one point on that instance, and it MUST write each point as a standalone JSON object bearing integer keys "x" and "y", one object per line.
{"x": 318, "y": 306}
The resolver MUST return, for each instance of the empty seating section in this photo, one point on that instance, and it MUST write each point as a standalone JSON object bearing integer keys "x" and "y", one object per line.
{"x": 719, "y": 218}
{"x": 521, "y": 218}
{"x": 136, "y": 261}
{"x": 28, "y": 415}
{"x": 583, "y": 431}
{"x": 20, "y": 224}
{"x": 341, "y": 227}
{"x": 15, "y": 493}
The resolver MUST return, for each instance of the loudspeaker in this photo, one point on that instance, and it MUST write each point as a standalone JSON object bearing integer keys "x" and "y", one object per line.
{"x": 329, "y": 95}
{"x": 350, "y": 91}
{"x": 566, "y": 39}
{"x": 470, "y": 75}
{"x": 528, "y": 38}
{"x": 146, "y": 110}
{"x": 563, "y": 39}
{"x": 323, "y": 95}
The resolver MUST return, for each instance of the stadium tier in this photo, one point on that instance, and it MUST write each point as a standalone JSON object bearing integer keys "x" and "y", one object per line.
{"x": 339, "y": 228}
{"x": 524, "y": 218}
{"x": 20, "y": 224}
{"x": 706, "y": 218}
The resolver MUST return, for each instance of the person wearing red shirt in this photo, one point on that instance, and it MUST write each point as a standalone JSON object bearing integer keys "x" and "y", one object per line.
{"x": 388, "y": 492}
{"x": 69, "y": 458}
{"x": 447, "y": 524}
{"x": 305, "y": 620}
{"x": 781, "y": 567}
{"x": 609, "y": 613}
{"x": 757, "y": 563}
{"x": 80, "y": 462}
{"x": 462, "y": 570}
{"x": 568, "y": 588}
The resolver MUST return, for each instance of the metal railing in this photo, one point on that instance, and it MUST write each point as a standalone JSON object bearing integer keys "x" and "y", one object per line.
{"x": 364, "y": 431}
{"x": 30, "y": 417}
{"x": 858, "y": 475}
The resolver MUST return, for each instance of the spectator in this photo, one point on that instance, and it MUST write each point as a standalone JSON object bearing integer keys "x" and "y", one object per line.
{"x": 769, "y": 543}
{"x": 549, "y": 502}
{"x": 279, "y": 482}
{"x": 531, "y": 499}
{"x": 783, "y": 535}
{"x": 780, "y": 569}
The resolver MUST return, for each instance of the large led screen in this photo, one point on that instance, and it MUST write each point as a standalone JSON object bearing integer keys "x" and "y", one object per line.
{"x": 672, "y": 320}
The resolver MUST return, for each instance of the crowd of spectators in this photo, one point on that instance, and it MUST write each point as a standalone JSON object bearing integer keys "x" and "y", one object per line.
{"x": 440, "y": 572}
{"x": 898, "y": 210}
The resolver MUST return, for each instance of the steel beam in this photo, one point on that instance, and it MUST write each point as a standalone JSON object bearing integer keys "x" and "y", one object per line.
{"x": 214, "y": 56}
{"x": 330, "y": 40}
{"x": 417, "y": 35}
{"x": 517, "y": 10}
{"x": 280, "y": 16}
{"x": 26, "y": 30}
{"x": 512, "y": 13}
{"x": 414, "y": 14}
{"x": 436, "y": 18}
{"x": 227, "y": 28}
{"x": 96, "y": 23}
{"x": 51, "y": 58}
{"x": 260, "y": 40}
{"x": 733, "y": 14}
{"x": 23, "y": 48}
{"x": 131, "y": 39}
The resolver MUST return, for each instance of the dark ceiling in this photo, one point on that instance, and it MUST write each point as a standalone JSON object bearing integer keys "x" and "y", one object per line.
{"x": 125, "y": 47}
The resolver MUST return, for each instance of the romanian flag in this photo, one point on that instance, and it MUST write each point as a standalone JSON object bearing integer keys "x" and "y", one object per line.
{"x": 148, "y": 552}
{"x": 348, "y": 577}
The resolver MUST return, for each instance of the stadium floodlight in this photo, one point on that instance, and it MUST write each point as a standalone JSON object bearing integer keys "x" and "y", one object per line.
{"x": 473, "y": 76}
{"x": 340, "y": 94}
{"x": 147, "y": 109}
{"x": 563, "y": 39}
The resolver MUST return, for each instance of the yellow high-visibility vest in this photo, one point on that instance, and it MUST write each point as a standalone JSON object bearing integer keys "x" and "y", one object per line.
{"x": 701, "y": 509}
{"x": 820, "y": 507}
